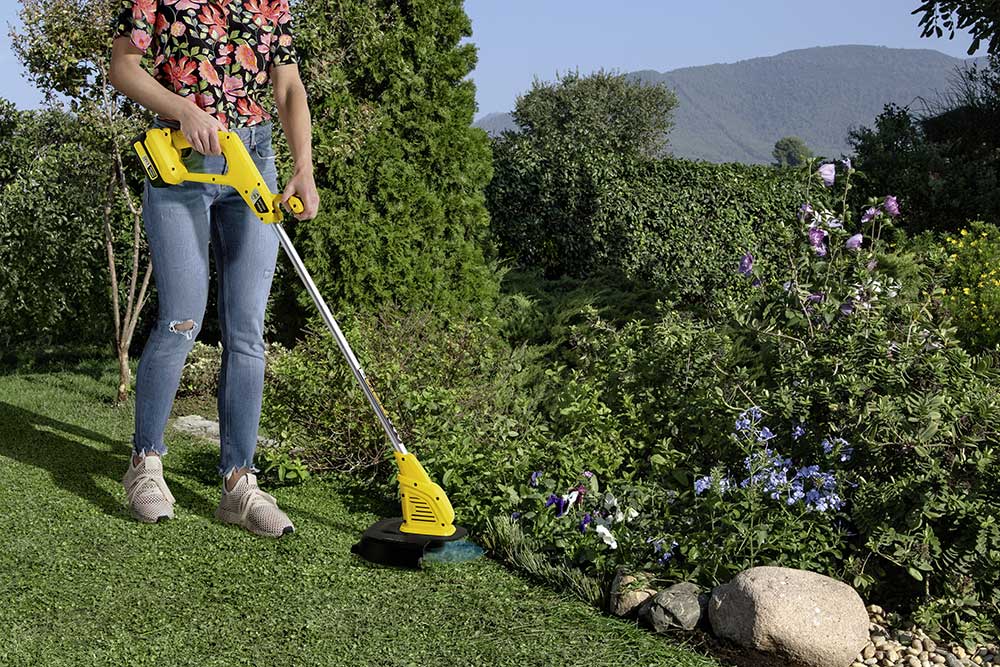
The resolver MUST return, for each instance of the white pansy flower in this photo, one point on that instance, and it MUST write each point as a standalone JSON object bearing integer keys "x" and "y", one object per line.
{"x": 606, "y": 535}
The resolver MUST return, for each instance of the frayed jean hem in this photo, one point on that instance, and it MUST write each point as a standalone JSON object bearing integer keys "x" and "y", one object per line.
{"x": 159, "y": 448}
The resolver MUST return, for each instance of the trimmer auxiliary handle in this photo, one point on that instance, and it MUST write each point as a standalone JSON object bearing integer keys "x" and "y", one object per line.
{"x": 160, "y": 151}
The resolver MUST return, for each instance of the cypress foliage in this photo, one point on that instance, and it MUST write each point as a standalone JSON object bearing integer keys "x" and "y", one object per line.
{"x": 401, "y": 172}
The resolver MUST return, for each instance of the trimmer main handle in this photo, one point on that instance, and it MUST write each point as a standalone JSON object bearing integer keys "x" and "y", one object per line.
{"x": 160, "y": 149}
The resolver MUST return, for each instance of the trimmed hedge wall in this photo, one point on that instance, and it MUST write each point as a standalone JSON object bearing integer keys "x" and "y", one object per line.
{"x": 678, "y": 226}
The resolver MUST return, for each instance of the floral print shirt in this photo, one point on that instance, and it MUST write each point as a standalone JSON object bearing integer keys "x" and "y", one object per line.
{"x": 217, "y": 51}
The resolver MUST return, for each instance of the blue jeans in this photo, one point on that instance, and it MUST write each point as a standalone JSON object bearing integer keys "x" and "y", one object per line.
{"x": 181, "y": 223}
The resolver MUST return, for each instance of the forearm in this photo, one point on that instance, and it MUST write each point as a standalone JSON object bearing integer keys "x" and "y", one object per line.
{"x": 293, "y": 111}
{"x": 137, "y": 84}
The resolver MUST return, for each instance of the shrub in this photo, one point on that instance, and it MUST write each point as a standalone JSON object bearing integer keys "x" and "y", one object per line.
{"x": 943, "y": 167}
{"x": 459, "y": 396}
{"x": 856, "y": 369}
{"x": 200, "y": 376}
{"x": 972, "y": 279}
{"x": 400, "y": 168}
{"x": 53, "y": 266}
{"x": 674, "y": 225}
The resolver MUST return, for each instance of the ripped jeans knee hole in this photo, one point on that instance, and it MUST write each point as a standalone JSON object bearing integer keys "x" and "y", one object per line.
{"x": 183, "y": 327}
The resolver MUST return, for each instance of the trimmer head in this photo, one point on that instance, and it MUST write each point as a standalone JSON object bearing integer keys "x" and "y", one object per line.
{"x": 426, "y": 527}
{"x": 385, "y": 544}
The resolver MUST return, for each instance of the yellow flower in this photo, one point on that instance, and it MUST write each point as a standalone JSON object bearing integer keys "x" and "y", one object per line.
{"x": 965, "y": 232}
{"x": 965, "y": 290}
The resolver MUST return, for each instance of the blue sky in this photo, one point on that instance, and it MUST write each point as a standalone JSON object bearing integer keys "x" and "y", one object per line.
{"x": 519, "y": 40}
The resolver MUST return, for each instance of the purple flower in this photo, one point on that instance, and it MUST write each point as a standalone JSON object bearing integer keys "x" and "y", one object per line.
{"x": 817, "y": 239}
{"x": 561, "y": 504}
{"x": 834, "y": 223}
{"x": 854, "y": 242}
{"x": 746, "y": 264}
{"x": 756, "y": 282}
{"x": 872, "y": 264}
{"x": 871, "y": 214}
{"x": 891, "y": 206}
{"x": 816, "y": 297}
{"x": 514, "y": 516}
{"x": 847, "y": 307}
{"x": 702, "y": 484}
{"x": 828, "y": 172}
{"x": 765, "y": 435}
{"x": 588, "y": 474}
{"x": 535, "y": 476}
{"x": 805, "y": 211}
{"x": 798, "y": 432}
{"x": 585, "y": 522}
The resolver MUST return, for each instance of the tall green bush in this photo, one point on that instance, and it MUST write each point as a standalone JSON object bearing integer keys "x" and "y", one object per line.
{"x": 678, "y": 226}
{"x": 400, "y": 169}
{"x": 53, "y": 266}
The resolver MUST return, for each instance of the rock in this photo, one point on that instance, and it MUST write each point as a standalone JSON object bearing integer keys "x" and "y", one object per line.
{"x": 806, "y": 618}
{"x": 952, "y": 661}
{"x": 626, "y": 597}
{"x": 680, "y": 606}
{"x": 209, "y": 429}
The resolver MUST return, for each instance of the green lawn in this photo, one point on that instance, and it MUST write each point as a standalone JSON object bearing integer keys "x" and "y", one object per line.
{"x": 83, "y": 584}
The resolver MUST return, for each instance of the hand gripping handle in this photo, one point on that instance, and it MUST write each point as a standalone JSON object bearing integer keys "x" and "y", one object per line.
{"x": 231, "y": 139}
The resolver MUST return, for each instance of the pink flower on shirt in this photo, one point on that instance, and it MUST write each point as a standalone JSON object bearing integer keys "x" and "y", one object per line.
{"x": 185, "y": 4}
{"x": 246, "y": 58}
{"x": 232, "y": 87}
{"x": 209, "y": 73}
{"x": 141, "y": 39}
{"x": 144, "y": 10}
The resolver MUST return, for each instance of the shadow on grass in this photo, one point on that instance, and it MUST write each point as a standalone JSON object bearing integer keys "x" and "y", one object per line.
{"x": 75, "y": 466}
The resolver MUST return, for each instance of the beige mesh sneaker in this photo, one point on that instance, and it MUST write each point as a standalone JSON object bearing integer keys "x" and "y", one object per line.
{"x": 246, "y": 505}
{"x": 149, "y": 499}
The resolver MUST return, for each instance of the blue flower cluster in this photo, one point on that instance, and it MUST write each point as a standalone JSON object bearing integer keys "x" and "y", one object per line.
{"x": 778, "y": 476}
{"x": 843, "y": 449}
{"x": 661, "y": 554}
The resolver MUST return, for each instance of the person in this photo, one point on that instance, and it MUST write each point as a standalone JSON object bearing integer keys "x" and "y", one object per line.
{"x": 212, "y": 62}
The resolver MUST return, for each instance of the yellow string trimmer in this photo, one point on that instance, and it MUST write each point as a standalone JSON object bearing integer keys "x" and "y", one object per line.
{"x": 427, "y": 524}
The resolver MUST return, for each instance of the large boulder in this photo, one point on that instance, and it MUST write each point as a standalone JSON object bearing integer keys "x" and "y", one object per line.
{"x": 803, "y": 618}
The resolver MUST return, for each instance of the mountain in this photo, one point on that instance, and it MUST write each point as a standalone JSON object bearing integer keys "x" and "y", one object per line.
{"x": 735, "y": 112}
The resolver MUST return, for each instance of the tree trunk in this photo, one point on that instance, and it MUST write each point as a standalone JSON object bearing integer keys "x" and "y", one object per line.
{"x": 124, "y": 373}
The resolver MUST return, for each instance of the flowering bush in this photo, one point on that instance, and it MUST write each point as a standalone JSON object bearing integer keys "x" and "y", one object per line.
{"x": 973, "y": 283}
{"x": 766, "y": 509}
{"x": 867, "y": 457}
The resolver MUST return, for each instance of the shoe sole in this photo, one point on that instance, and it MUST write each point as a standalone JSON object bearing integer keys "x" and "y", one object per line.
{"x": 233, "y": 519}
